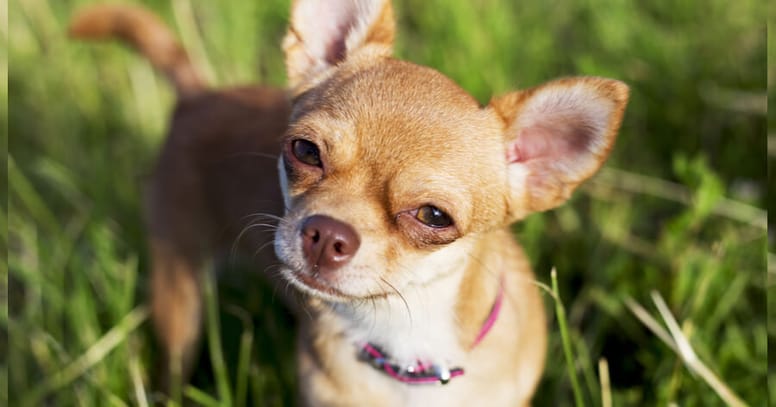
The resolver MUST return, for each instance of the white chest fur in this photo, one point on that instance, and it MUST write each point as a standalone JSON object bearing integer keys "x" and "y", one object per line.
{"x": 419, "y": 325}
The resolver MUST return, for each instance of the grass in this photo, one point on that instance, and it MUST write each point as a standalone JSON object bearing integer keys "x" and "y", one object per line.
{"x": 680, "y": 208}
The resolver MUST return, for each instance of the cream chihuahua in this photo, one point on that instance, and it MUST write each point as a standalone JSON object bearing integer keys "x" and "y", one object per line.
{"x": 396, "y": 192}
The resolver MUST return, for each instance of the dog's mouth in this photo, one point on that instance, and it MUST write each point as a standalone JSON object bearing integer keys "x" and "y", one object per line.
{"x": 308, "y": 283}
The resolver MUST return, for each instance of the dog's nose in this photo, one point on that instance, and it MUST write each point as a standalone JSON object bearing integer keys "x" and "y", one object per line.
{"x": 328, "y": 244}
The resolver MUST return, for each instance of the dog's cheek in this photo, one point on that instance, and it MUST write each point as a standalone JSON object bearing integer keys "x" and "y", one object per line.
{"x": 295, "y": 179}
{"x": 287, "y": 242}
{"x": 289, "y": 174}
{"x": 398, "y": 258}
{"x": 282, "y": 246}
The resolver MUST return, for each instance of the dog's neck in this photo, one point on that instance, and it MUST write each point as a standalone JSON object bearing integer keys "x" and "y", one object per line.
{"x": 435, "y": 321}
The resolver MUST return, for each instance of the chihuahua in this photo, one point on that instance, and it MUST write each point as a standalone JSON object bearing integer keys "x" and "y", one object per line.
{"x": 396, "y": 194}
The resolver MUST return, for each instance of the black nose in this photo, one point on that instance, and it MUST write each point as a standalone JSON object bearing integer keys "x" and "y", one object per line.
{"x": 327, "y": 243}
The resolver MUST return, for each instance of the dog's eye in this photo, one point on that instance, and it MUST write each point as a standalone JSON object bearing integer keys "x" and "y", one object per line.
{"x": 307, "y": 152}
{"x": 433, "y": 216}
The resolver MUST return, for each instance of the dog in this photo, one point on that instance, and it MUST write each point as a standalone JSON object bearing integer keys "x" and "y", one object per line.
{"x": 396, "y": 192}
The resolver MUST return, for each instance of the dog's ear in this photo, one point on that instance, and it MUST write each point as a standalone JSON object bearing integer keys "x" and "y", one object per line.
{"x": 324, "y": 33}
{"x": 556, "y": 136}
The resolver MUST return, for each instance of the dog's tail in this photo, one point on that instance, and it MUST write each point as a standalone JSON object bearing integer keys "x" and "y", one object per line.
{"x": 146, "y": 33}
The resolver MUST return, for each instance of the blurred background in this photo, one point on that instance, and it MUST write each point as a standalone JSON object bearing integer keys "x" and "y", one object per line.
{"x": 678, "y": 213}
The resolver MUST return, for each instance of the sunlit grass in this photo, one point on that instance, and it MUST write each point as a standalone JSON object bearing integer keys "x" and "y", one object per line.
{"x": 679, "y": 209}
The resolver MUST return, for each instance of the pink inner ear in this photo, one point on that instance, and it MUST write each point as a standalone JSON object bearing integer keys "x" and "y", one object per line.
{"x": 335, "y": 50}
{"x": 325, "y": 27}
{"x": 565, "y": 139}
{"x": 557, "y": 135}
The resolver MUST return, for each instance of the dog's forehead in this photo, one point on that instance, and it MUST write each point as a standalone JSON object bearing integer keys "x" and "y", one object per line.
{"x": 399, "y": 108}
{"x": 410, "y": 132}
{"x": 406, "y": 94}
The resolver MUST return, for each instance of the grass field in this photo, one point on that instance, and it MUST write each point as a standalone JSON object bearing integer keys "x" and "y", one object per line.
{"x": 677, "y": 215}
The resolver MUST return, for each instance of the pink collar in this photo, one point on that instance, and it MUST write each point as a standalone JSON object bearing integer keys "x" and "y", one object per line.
{"x": 427, "y": 373}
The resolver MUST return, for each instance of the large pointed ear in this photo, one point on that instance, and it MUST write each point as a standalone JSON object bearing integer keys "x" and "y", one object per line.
{"x": 557, "y": 135}
{"x": 324, "y": 33}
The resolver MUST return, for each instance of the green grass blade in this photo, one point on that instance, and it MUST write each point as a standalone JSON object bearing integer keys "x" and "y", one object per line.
{"x": 244, "y": 355}
{"x": 90, "y": 358}
{"x": 21, "y": 188}
{"x": 201, "y": 398}
{"x": 566, "y": 339}
{"x": 214, "y": 341}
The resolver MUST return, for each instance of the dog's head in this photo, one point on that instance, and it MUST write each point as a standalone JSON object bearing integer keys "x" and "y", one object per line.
{"x": 390, "y": 171}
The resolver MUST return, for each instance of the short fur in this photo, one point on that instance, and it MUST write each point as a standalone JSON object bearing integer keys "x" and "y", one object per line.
{"x": 389, "y": 138}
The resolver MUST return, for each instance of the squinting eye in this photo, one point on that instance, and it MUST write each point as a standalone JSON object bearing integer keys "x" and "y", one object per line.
{"x": 433, "y": 216}
{"x": 306, "y": 152}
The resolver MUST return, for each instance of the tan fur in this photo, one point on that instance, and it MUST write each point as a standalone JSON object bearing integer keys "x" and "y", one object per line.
{"x": 547, "y": 197}
{"x": 215, "y": 177}
{"x": 504, "y": 369}
{"x": 391, "y": 137}
{"x": 394, "y": 136}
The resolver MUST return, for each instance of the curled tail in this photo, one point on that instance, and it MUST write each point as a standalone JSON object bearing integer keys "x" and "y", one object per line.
{"x": 146, "y": 33}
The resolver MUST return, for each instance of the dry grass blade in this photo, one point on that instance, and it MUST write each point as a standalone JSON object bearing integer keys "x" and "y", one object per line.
{"x": 676, "y": 340}
{"x": 690, "y": 358}
{"x": 734, "y": 99}
{"x": 651, "y": 323}
{"x": 606, "y": 384}
{"x": 642, "y": 184}
{"x": 137, "y": 380}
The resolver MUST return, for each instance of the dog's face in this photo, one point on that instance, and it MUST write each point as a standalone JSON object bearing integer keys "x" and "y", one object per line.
{"x": 390, "y": 170}
{"x": 407, "y": 165}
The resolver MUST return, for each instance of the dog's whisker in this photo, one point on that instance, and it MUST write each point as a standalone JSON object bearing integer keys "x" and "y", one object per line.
{"x": 253, "y": 154}
{"x": 373, "y": 302}
{"x": 401, "y": 296}
{"x": 262, "y": 247}
{"x": 280, "y": 219}
{"x": 265, "y": 227}
{"x": 234, "y": 250}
